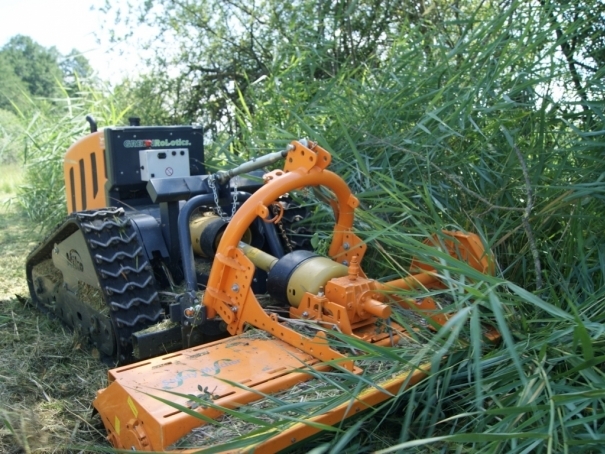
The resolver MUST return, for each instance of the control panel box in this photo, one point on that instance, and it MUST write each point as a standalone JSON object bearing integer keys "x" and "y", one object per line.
{"x": 164, "y": 163}
{"x": 124, "y": 184}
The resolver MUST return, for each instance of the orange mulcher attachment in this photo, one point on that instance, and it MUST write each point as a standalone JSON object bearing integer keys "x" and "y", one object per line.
{"x": 333, "y": 292}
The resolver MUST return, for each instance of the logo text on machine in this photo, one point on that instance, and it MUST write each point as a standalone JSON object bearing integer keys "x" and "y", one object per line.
{"x": 157, "y": 143}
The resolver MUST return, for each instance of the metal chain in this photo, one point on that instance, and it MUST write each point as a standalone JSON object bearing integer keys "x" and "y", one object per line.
{"x": 215, "y": 194}
{"x": 219, "y": 211}
{"x": 282, "y": 230}
{"x": 234, "y": 206}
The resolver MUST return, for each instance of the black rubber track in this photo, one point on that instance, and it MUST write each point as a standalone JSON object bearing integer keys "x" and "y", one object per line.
{"x": 122, "y": 268}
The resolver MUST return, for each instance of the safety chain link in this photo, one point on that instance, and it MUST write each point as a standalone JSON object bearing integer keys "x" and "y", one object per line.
{"x": 234, "y": 203}
{"x": 219, "y": 211}
{"x": 282, "y": 230}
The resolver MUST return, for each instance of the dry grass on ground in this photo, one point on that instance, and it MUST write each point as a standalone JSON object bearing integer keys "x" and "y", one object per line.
{"x": 47, "y": 378}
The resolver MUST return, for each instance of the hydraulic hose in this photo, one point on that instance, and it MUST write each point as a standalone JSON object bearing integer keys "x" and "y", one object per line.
{"x": 187, "y": 210}
{"x": 273, "y": 240}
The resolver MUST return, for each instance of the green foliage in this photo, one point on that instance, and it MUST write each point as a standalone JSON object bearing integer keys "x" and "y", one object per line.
{"x": 11, "y": 177}
{"x": 471, "y": 136}
{"x": 48, "y": 135}
{"x": 13, "y": 90}
{"x": 209, "y": 52}
{"x": 11, "y": 142}
{"x": 486, "y": 116}
{"x": 35, "y": 65}
{"x": 470, "y": 118}
{"x": 75, "y": 67}
{"x": 44, "y": 98}
{"x": 151, "y": 97}
{"x": 32, "y": 74}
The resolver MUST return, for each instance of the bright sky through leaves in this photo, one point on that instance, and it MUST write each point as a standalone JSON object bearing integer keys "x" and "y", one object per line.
{"x": 65, "y": 24}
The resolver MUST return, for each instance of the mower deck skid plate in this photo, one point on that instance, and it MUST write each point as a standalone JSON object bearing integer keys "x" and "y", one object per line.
{"x": 135, "y": 419}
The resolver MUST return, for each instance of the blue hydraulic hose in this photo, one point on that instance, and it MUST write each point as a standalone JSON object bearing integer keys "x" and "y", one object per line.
{"x": 185, "y": 238}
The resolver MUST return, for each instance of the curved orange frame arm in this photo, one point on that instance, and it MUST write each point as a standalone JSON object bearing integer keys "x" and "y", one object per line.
{"x": 228, "y": 292}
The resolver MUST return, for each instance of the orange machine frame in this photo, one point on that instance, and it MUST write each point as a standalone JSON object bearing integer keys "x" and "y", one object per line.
{"x": 229, "y": 293}
{"x": 136, "y": 420}
{"x": 85, "y": 175}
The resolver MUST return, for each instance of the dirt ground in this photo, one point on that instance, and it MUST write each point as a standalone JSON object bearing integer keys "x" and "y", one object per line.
{"x": 48, "y": 379}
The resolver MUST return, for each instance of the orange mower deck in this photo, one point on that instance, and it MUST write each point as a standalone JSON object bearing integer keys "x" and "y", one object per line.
{"x": 136, "y": 419}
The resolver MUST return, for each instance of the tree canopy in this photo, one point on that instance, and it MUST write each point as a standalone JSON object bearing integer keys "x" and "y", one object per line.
{"x": 209, "y": 53}
{"x": 37, "y": 67}
{"x": 33, "y": 79}
{"x": 28, "y": 70}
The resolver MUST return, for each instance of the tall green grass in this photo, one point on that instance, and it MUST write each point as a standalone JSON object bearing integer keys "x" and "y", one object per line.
{"x": 10, "y": 138}
{"x": 470, "y": 125}
{"x": 483, "y": 135}
{"x": 47, "y": 134}
{"x": 470, "y": 136}
{"x": 11, "y": 176}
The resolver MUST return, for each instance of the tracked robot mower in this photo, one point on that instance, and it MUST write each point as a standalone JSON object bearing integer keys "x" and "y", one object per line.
{"x": 153, "y": 404}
